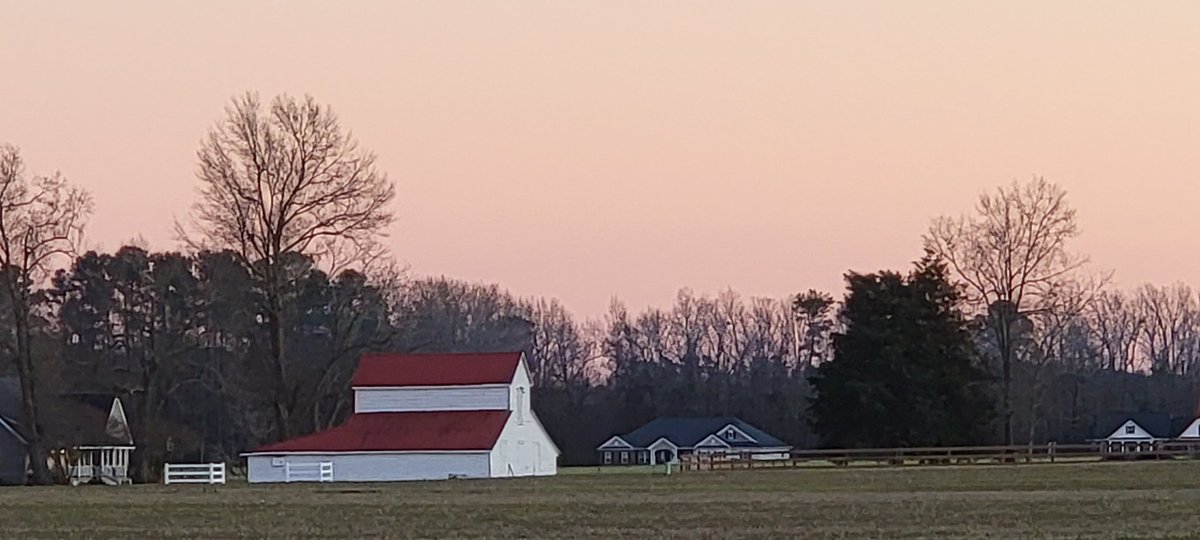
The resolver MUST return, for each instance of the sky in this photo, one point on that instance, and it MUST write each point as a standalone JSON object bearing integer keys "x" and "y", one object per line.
{"x": 585, "y": 150}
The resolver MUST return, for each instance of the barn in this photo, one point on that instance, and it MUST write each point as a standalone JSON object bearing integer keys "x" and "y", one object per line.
{"x": 423, "y": 417}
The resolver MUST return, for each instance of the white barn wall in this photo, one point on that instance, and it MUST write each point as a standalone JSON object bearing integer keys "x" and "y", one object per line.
{"x": 469, "y": 398}
{"x": 524, "y": 450}
{"x": 377, "y": 467}
{"x": 519, "y": 388}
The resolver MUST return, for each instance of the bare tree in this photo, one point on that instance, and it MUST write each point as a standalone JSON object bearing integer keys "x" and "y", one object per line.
{"x": 1011, "y": 254}
{"x": 280, "y": 181}
{"x": 1170, "y": 328}
{"x": 1057, "y": 339}
{"x": 562, "y": 354}
{"x": 41, "y": 219}
{"x": 1116, "y": 324}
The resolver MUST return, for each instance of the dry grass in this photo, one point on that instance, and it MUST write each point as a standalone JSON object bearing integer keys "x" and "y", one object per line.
{"x": 1113, "y": 500}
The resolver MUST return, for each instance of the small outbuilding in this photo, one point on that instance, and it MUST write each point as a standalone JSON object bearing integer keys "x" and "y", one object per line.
{"x": 423, "y": 417}
{"x": 105, "y": 457}
{"x": 1133, "y": 433}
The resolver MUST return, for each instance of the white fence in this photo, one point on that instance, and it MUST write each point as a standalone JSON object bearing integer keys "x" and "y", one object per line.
{"x": 308, "y": 472}
{"x": 193, "y": 473}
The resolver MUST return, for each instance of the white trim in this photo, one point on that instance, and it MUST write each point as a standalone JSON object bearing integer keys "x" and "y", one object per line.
{"x": 1191, "y": 432}
{"x": 712, "y": 437}
{"x": 9, "y": 428}
{"x": 662, "y": 439}
{"x": 1139, "y": 433}
{"x": 662, "y": 443}
{"x": 617, "y": 438}
{"x": 537, "y": 420}
{"x": 359, "y": 452}
{"x": 523, "y": 366}
{"x": 737, "y": 429}
{"x": 433, "y": 386}
{"x": 114, "y": 447}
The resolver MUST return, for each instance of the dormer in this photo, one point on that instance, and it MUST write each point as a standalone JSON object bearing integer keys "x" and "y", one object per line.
{"x": 732, "y": 434}
{"x": 442, "y": 382}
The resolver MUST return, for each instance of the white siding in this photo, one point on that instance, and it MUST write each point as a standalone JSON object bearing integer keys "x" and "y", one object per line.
{"x": 377, "y": 467}
{"x": 465, "y": 398}
{"x": 520, "y": 386}
{"x": 524, "y": 450}
{"x": 1190, "y": 432}
{"x": 1138, "y": 432}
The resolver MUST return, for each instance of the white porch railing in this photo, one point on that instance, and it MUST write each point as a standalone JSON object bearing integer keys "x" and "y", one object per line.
{"x": 193, "y": 473}
{"x": 308, "y": 472}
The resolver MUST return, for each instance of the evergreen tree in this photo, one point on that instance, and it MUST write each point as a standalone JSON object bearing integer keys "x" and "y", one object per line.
{"x": 904, "y": 371}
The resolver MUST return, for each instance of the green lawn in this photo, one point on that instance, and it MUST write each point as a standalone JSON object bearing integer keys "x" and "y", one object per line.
{"x": 1109, "y": 500}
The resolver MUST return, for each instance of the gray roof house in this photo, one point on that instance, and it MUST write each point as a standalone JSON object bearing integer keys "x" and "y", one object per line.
{"x": 663, "y": 440}
{"x": 1130, "y": 434}
{"x": 1135, "y": 426}
{"x": 12, "y": 445}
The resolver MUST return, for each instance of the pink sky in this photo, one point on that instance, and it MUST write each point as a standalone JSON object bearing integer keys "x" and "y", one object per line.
{"x": 585, "y": 150}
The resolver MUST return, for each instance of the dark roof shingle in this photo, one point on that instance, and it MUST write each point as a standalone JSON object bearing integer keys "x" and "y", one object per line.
{"x": 1157, "y": 424}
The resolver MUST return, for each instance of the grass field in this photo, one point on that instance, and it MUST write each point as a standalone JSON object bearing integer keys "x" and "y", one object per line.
{"x": 1110, "y": 500}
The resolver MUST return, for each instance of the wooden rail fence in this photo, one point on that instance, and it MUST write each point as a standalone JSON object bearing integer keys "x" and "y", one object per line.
{"x": 193, "y": 473}
{"x": 960, "y": 455}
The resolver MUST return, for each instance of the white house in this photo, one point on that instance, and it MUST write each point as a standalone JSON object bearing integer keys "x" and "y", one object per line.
{"x": 423, "y": 417}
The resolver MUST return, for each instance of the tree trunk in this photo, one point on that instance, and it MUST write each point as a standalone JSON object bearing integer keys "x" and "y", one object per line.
{"x": 279, "y": 372}
{"x": 1002, "y": 327}
{"x": 148, "y": 448}
{"x": 25, "y": 370}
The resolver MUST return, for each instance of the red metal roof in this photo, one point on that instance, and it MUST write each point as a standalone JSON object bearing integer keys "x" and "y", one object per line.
{"x": 402, "y": 431}
{"x": 435, "y": 369}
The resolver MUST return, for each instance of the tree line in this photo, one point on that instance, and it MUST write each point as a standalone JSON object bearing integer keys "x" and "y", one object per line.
{"x": 249, "y": 333}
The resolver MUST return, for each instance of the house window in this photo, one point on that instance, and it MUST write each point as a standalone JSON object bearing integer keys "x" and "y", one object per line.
{"x": 643, "y": 458}
{"x": 608, "y": 458}
{"x": 730, "y": 435}
{"x": 1130, "y": 429}
{"x": 624, "y": 458}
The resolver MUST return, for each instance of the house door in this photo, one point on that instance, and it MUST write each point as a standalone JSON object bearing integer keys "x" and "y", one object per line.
{"x": 664, "y": 456}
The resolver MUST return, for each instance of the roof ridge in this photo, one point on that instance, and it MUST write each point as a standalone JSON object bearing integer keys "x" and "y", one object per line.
{"x": 436, "y": 369}
{"x": 488, "y": 353}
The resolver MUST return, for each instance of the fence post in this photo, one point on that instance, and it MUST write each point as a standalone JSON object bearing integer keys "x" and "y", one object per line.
{"x": 166, "y": 474}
